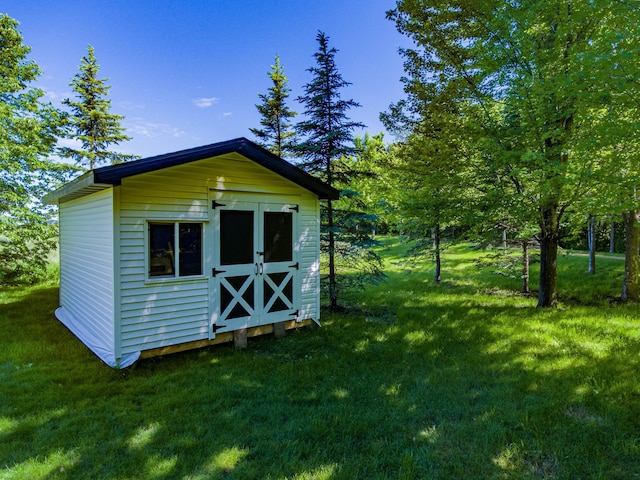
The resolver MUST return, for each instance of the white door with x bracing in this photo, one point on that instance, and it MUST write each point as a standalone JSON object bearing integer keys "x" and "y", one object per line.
{"x": 256, "y": 270}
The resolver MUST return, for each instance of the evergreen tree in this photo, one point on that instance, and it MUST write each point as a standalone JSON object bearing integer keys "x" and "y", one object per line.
{"x": 327, "y": 141}
{"x": 92, "y": 123}
{"x": 28, "y": 130}
{"x": 277, "y": 132}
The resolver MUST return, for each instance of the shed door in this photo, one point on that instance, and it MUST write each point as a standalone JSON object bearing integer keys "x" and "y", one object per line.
{"x": 278, "y": 272}
{"x": 255, "y": 273}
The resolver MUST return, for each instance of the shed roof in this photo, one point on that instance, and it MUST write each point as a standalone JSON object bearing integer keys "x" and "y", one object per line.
{"x": 105, "y": 177}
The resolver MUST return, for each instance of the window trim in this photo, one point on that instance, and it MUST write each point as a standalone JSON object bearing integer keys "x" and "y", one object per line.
{"x": 175, "y": 277}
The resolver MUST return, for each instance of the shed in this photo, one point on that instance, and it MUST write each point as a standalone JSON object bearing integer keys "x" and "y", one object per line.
{"x": 188, "y": 249}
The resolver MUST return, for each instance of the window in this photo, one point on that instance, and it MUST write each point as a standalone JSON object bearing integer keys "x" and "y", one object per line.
{"x": 168, "y": 258}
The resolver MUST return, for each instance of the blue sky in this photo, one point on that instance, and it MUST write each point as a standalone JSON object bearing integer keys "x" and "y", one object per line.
{"x": 188, "y": 73}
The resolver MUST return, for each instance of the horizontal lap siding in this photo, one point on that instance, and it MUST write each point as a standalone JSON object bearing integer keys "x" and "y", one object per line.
{"x": 309, "y": 257}
{"x": 148, "y": 321}
{"x": 158, "y": 314}
{"x": 86, "y": 263}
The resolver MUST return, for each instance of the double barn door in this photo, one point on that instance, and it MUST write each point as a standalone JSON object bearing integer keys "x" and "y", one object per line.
{"x": 255, "y": 274}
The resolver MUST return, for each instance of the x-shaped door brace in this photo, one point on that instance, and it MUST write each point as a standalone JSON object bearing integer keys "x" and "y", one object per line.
{"x": 278, "y": 292}
{"x": 237, "y": 296}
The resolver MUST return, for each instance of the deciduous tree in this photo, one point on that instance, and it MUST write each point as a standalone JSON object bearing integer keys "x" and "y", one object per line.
{"x": 533, "y": 67}
{"x": 432, "y": 179}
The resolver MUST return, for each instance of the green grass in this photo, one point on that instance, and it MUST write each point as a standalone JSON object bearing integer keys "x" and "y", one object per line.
{"x": 462, "y": 379}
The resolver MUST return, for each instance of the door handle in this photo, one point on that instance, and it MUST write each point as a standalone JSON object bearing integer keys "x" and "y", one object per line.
{"x": 261, "y": 268}
{"x": 257, "y": 269}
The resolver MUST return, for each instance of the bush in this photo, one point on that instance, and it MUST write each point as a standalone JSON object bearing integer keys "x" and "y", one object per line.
{"x": 25, "y": 247}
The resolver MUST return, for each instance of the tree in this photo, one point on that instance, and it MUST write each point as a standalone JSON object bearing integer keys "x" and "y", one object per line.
{"x": 621, "y": 128}
{"x": 91, "y": 121}
{"x": 277, "y": 132}
{"x": 327, "y": 137}
{"x": 591, "y": 243}
{"x": 375, "y": 186}
{"x": 610, "y": 132}
{"x": 28, "y": 130}
{"x": 533, "y": 68}
{"x": 428, "y": 200}
{"x": 354, "y": 225}
{"x": 431, "y": 177}
{"x": 630, "y": 288}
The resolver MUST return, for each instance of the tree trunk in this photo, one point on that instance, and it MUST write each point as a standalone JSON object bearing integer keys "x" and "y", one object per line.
{"x": 630, "y": 292}
{"x": 591, "y": 241}
{"x": 333, "y": 291}
{"x": 504, "y": 240}
{"x": 525, "y": 266}
{"x": 548, "y": 292}
{"x": 612, "y": 238}
{"x": 436, "y": 248}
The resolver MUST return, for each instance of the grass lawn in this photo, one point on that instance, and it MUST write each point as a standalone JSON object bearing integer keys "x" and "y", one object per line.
{"x": 463, "y": 379}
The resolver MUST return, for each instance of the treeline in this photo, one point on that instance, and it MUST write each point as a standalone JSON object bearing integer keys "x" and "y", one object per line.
{"x": 520, "y": 120}
{"x": 520, "y": 126}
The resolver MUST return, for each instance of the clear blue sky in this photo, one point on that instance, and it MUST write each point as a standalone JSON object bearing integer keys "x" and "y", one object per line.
{"x": 188, "y": 73}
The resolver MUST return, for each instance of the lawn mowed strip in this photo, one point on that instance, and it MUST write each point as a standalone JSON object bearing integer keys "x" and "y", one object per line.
{"x": 462, "y": 379}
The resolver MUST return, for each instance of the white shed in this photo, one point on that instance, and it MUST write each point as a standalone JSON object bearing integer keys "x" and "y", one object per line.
{"x": 188, "y": 249}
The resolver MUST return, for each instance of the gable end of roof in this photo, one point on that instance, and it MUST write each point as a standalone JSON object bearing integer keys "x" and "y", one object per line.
{"x": 113, "y": 174}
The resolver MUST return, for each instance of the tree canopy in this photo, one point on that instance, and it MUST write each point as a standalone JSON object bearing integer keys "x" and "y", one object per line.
{"x": 530, "y": 77}
{"x": 28, "y": 134}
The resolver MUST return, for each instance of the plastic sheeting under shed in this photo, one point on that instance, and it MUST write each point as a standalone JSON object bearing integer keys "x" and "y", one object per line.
{"x": 86, "y": 336}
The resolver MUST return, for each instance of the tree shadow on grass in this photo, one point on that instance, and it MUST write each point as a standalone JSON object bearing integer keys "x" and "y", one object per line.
{"x": 452, "y": 388}
{"x": 507, "y": 389}
{"x": 214, "y": 413}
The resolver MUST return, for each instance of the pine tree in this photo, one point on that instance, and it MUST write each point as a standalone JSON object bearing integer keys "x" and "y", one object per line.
{"x": 328, "y": 129}
{"x": 277, "y": 133}
{"x": 92, "y": 123}
{"x": 28, "y": 135}
{"x": 328, "y": 140}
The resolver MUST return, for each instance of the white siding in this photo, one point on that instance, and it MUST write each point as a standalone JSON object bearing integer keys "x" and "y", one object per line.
{"x": 160, "y": 313}
{"x": 310, "y": 258}
{"x": 86, "y": 268}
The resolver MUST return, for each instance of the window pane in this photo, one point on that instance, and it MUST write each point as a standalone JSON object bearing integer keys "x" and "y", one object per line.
{"x": 162, "y": 248}
{"x": 190, "y": 244}
{"x": 278, "y": 237}
{"x": 236, "y": 237}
